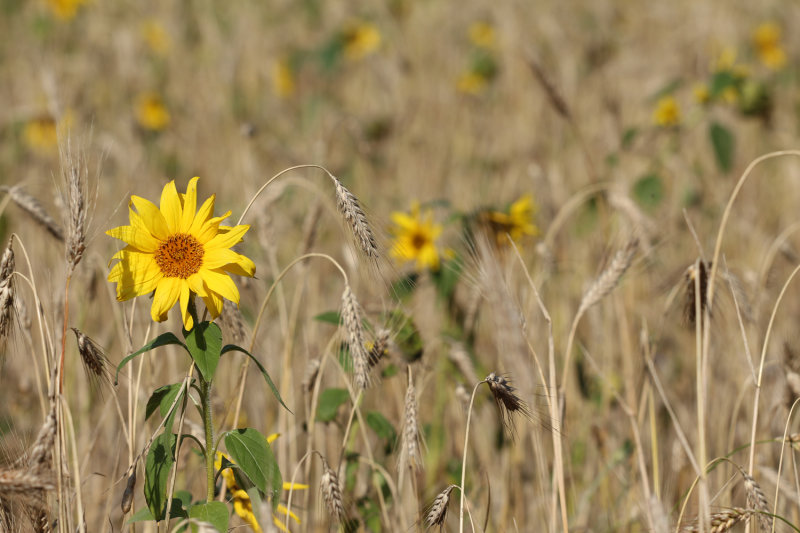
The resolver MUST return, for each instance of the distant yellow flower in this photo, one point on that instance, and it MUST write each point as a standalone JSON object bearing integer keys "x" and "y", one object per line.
{"x": 482, "y": 34}
{"x": 517, "y": 222}
{"x": 175, "y": 251}
{"x": 471, "y": 82}
{"x": 730, "y": 94}
{"x": 65, "y": 9}
{"x": 726, "y": 59}
{"x": 151, "y": 113}
{"x": 360, "y": 38}
{"x": 243, "y": 506}
{"x": 40, "y": 134}
{"x": 282, "y": 78}
{"x": 156, "y": 37}
{"x": 667, "y": 112}
{"x": 767, "y": 40}
{"x": 415, "y": 236}
{"x": 701, "y": 93}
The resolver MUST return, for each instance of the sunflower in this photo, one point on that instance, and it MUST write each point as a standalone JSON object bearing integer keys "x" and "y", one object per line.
{"x": 517, "y": 222}
{"x": 175, "y": 251}
{"x": 415, "y": 238}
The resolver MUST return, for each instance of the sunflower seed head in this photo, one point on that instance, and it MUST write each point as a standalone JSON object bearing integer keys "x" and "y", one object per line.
{"x": 332, "y": 493}
{"x": 437, "y": 513}
{"x": 351, "y": 318}
{"x": 351, "y": 210}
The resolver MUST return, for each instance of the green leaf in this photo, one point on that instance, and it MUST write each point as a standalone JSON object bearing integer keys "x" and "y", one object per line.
{"x": 176, "y": 511}
{"x": 159, "y": 461}
{"x": 407, "y": 338}
{"x": 382, "y": 427}
{"x": 253, "y": 456}
{"x": 234, "y": 348}
{"x": 329, "y": 317}
{"x": 404, "y": 287}
{"x": 204, "y": 343}
{"x": 723, "y": 142}
{"x": 215, "y": 513}
{"x": 162, "y": 340}
{"x": 720, "y": 82}
{"x": 329, "y": 402}
{"x": 649, "y": 191}
{"x": 628, "y": 136}
{"x": 162, "y": 398}
{"x": 447, "y": 277}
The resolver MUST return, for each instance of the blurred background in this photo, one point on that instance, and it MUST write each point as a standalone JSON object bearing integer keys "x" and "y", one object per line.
{"x": 573, "y": 126}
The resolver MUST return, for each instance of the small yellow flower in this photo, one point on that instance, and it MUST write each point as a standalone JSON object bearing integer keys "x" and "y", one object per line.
{"x": 156, "y": 37}
{"x": 175, "y": 251}
{"x": 360, "y": 38}
{"x": 151, "y": 113}
{"x": 41, "y": 133}
{"x": 471, "y": 82}
{"x": 726, "y": 59}
{"x": 667, "y": 112}
{"x": 518, "y": 222}
{"x": 282, "y": 78}
{"x": 415, "y": 238}
{"x": 243, "y": 506}
{"x": 767, "y": 40}
{"x": 482, "y": 35}
{"x": 701, "y": 93}
{"x": 65, "y": 9}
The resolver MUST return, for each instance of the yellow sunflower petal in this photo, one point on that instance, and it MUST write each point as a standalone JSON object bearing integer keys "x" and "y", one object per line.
{"x": 171, "y": 207}
{"x": 294, "y": 486}
{"x": 210, "y": 228}
{"x": 195, "y": 282}
{"x": 243, "y": 267}
{"x": 403, "y": 221}
{"x": 227, "y": 239}
{"x": 279, "y": 524}
{"x": 188, "y": 321}
{"x": 284, "y": 511}
{"x": 213, "y": 302}
{"x": 220, "y": 283}
{"x": 151, "y": 217}
{"x": 203, "y": 215}
{"x": 167, "y": 293}
{"x": 136, "y": 273}
{"x": 189, "y": 205}
{"x": 141, "y": 240}
{"x": 272, "y": 437}
{"x": 219, "y": 257}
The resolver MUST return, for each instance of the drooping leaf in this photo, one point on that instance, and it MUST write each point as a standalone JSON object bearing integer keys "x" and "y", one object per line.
{"x": 204, "y": 343}
{"x": 214, "y": 513}
{"x": 177, "y": 510}
{"x": 273, "y": 388}
{"x": 329, "y": 317}
{"x": 253, "y": 456}
{"x": 159, "y": 461}
{"x": 329, "y": 402}
{"x": 162, "y": 340}
{"x": 162, "y": 398}
{"x": 724, "y": 143}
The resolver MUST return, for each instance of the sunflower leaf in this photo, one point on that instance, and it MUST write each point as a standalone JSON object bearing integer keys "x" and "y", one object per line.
{"x": 215, "y": 513}
{"x": 254, "y": 457}
{"x": 162, "y": 399}
{"x": 158, "y": 464}
{"x": 162, "y": 340}
{"x": 204, "y": 343}
{"x": 234, "y": 348}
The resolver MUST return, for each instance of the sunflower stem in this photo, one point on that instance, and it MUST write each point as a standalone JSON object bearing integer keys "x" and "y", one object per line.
{"x": 208, "y": 423}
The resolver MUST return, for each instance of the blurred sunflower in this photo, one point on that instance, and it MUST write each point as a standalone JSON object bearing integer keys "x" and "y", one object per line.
{"x": 701, "y": 93}
{"x": 517, "y": 221}
{"x": 175, "y": 252}
{"x": 40, "y": 133}
{"x": 243, "y": 506}
{"x": 156, "y": 37}
{"x": 151, "y": 113}
{"x": 482, "y": 71}
{"x": 767, "y": 41}
{"x": 360, "y": 39}
{"x": 482, "y": 34}
{"x": 667, "y": 112}
{"x": 282, "y": 78}
{"x": 415, "y": 238}
{"x": 65, "y": 9}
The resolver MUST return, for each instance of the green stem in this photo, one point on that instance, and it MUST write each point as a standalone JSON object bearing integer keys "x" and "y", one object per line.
{"x": 208, "y": 423}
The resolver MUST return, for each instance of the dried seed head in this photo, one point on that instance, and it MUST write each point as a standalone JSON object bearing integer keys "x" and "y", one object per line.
{"x": 609, "y": 278}
{"x": 31, "y": 205}
{"x": 696, "y": 275}
{"x": 74, "y": 170}
{"x": 6, "y": 290}
{"x": 94, "y": 360}
{"x": 351, "y": 211}
{"x": 722, "y": 521}
{"x": 332, "y": 493}
{"x": 757, "y": 500}
{"x": 380, "y": 348}
{"x": 21, "y": 482}
{"x": 312, "y": 371}
{"x": 409, "y": 446}
{"x": 351, "y": 317}
{"x": 438, "y": 509}
{"x": 41, "y": 453}
{"x": 127, "y": 496}
{"x": 232, "y": 319}
{"x": 507, "y": 400}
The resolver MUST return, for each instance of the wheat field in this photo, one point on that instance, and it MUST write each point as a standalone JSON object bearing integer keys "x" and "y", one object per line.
{"x": 515, "y": 266}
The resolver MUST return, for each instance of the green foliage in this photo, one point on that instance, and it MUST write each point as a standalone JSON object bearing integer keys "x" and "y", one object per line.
{"x": 270, "y": 384}
{"x": 407, "y": 337}
{"x": 383, "y": 428}
{"x": 724, "y": 143}
{"x": 159, "y": 462}
{"x": 162, "y": 399}
{"x": 253, "y": 456}
{"x": 329, "y": 317}
{"x": 162, "y": 340}
{"x": 649, "y": 191}
{"x": 329, "y": 402}
{"x": 204, "y": 343}
{"x": 215, "y": 513}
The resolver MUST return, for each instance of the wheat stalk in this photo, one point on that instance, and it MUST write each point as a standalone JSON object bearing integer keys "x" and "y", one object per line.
{"x": 31, "y": 205}
{"x": 722, "y": 521}
{"x": 74, "y": 171}
{"x": 437, "y": 513}
{"x": 757, "y": 500}
{"x": 610, "y": 277}
{"x": 351, "y": 318}
{"x": 332, "y": 493}
{"x": 409, "y": 446}
{"x": 351, "y": 210}
{"x": 7, "y": 292}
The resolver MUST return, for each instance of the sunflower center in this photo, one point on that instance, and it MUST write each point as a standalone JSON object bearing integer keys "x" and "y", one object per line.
{"x": 180, "y": 256}
{"x": 419, "y": 240}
